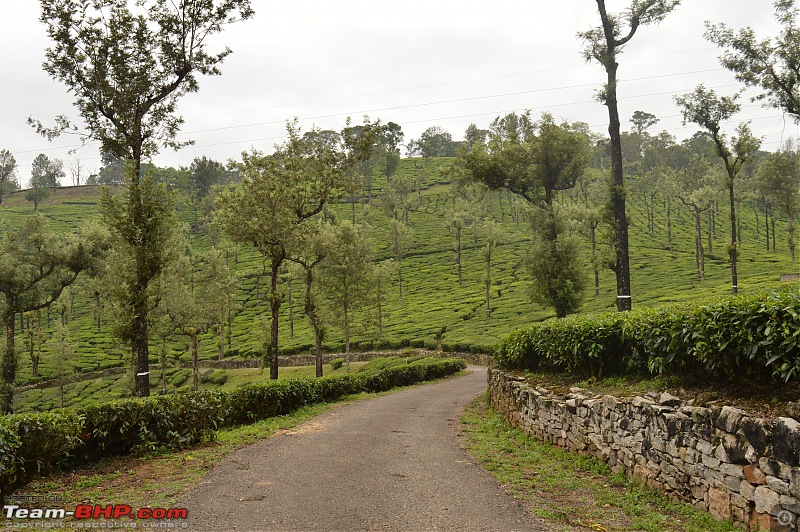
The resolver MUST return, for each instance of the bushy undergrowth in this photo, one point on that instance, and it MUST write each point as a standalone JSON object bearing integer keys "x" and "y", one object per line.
{"x": 751, "y": 338}
{"x": 31, "y": 444}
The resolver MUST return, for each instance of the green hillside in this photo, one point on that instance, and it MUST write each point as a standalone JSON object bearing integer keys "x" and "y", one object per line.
{"x": 432, "y": 297}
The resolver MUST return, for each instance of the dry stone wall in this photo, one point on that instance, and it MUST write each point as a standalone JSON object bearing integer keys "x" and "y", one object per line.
{"x": 718, "y": 459}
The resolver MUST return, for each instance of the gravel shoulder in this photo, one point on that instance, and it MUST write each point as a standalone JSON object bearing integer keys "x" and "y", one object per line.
{"x": 389, "y": 463}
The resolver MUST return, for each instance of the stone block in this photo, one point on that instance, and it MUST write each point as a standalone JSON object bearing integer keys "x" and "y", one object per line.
{"x": 732, "y": 470}
{"x": 719, "y": 503}
{"x": 756, "y": 432}
{"x": 732, "y": 483}
{"x": 777, "y": 485}
{"x": 640, "y": 402}
{"x": 760, "y": 521}
{"x": 791, "y": 504}
{"x": 786, "y": 441}
{"x": 747, "y": 490}
{"x": 766, "y": 500}
{"x": 794, "y": 482}
{"x": 705, "y": 447}
{"x": 711, "y": 462}
{"x": 667, "y": 399}
{"x": 728, "y": 419}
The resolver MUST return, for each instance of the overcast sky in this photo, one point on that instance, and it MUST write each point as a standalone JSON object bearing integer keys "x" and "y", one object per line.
{"x": 417, "y": 63}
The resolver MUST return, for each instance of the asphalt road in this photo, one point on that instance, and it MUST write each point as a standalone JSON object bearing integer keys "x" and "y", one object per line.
{"x": 389, "y": 463}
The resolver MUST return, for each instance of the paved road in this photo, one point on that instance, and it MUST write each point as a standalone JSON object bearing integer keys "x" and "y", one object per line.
{"x": 389, "y": 463}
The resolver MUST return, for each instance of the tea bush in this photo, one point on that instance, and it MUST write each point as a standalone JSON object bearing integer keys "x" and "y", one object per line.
{"x": 750, "y": 338}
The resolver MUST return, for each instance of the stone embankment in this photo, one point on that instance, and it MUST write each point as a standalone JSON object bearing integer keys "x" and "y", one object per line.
{"x": 719, "y": 459}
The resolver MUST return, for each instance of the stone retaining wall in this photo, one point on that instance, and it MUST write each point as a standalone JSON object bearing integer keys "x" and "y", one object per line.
{"x": 719, "y": 459}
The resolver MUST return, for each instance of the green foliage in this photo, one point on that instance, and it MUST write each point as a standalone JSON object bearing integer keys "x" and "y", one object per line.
{"x": 31, "y": 444}
{"x": 215, "y": 377}
{"x": 337, "y": 363}
{"x": 588, "y": 345}
{"x": 752, "y": 338}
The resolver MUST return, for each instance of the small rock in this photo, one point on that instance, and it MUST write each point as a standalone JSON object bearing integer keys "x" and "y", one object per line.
{"x": 668, "y": 399}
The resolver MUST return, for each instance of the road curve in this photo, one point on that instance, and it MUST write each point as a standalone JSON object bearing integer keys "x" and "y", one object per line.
{"x": 389, "y": 463}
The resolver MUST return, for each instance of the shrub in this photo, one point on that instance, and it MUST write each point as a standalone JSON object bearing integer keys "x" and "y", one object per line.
{"x": 753, "y": 338}
{"x": 32, "y": 444}
{"x": 337, "y": 363}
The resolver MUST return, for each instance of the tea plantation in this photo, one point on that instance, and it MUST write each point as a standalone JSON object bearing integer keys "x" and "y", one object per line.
{"x": 432, "y": 301}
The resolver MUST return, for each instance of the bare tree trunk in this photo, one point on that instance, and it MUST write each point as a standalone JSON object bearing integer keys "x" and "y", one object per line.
{"x": 195, "y": 363}
{"x": 766, "y": 224}
{"x": 291, "y": 306}
{"x": 733, "y": 250}
{"x": 97, "y": 309}
{"x": 669, "y": 223}
{"x": 790, "y": 231}
{"x": 488, "y": 280}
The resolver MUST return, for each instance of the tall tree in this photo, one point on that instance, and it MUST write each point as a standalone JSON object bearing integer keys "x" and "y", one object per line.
{"x": 708, "y": 110}
{"x": 770, "y": 65}
{"x": 493, "y": 233}
{"x": 8, "y": 174}
{"x": 63, "y": 358}
{"x": 603, "y": 44}
{"x": 195, "y": 287}
{"x": 127, "y": 68}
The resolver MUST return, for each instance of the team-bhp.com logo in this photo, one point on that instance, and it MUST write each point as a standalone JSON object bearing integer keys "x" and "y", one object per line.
{"x": 94, "y": 511}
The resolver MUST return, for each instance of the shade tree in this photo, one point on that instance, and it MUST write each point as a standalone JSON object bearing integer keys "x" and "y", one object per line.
{"x": 127, "y": 64}
{"x": 709, "y": 110}
{"x": 603, "y": 44}
{"x": 778, "y": 181}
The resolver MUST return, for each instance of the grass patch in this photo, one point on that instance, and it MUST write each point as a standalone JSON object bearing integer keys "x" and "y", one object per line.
{"x": 569, "y": 489}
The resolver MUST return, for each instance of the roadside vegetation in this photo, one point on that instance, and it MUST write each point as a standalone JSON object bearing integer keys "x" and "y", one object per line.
{"x": 571, "y": 491}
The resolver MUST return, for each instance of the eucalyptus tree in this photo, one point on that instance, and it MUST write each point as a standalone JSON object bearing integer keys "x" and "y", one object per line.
{"x": 279, "y": 192}
{"x": 603, "y": 44}
{"x": 8, "y": 174}
{"x": 35, "y": 268}
{"x": 457, "y": 219}
{"x": 63, "y": 357}
{"x": 127, "y": 65}
{"x": 708, "y": 110}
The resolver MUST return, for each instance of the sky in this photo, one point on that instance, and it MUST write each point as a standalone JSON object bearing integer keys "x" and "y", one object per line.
{"x": 419, "y": 63}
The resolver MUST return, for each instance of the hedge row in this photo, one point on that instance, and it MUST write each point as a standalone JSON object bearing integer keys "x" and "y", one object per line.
{"x": 747, "y": 339}
{"x": 32, "y": 444}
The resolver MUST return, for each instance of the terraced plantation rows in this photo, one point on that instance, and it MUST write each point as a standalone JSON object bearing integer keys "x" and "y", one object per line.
{"x": 432, "y": 301}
